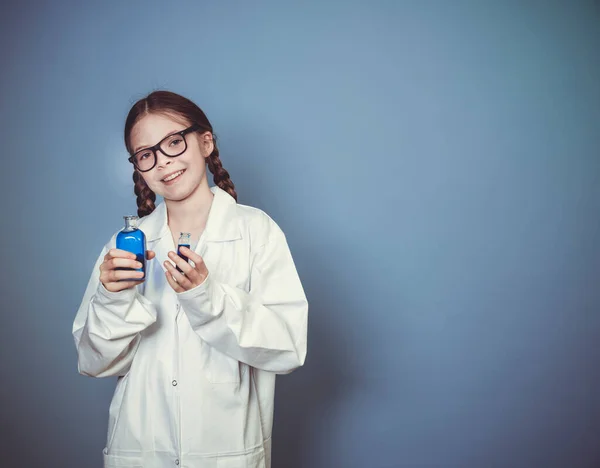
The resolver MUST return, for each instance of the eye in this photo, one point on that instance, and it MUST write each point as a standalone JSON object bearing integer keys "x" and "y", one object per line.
{"x": 175, "y": 142}
{"x": 144, "y": 155}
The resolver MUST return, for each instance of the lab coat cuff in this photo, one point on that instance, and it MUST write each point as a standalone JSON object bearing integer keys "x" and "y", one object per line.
{"x": 127, "y": 304}
{"x": 196, "y": 301}
{"x": 105, "y": 296}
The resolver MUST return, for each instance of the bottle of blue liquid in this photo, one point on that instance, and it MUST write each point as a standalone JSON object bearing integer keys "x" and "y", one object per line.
{"x": 184, "y": 241}
{"x": 133, "y": 240}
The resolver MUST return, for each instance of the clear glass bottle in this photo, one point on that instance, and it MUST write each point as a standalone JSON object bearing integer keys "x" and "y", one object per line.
{"x": 184, "y": 241}
{"x": 133, "y": 240}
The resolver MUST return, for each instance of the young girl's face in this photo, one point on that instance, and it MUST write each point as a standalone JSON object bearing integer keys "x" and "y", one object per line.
{"x": 191, "y": 165}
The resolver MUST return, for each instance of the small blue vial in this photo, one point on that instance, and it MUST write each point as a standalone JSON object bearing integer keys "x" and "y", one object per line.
{"x": 184, "y": 241}
{"x": 133, "y": 240}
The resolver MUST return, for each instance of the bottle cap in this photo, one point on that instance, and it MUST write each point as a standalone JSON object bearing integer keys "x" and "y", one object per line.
{"x": 131, "y": 220}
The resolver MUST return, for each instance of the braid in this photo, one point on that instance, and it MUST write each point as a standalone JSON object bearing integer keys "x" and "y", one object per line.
{"x": 220, "y": 175}
{"x": 145, "y": 196}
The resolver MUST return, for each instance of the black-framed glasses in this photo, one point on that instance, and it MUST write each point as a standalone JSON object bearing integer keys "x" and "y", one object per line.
{"x": 172, "y": 145}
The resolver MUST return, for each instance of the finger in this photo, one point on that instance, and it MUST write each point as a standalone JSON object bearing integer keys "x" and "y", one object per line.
{"x": 123, "y": 263}
{"x": 115, "y": 263}
{"x": 173, "y": 283}
{"x": 180, "y": 262}
{"x": 118, "y": 275}
{"x": 180, "y": 278}
{"x": 199, "y": 267}
{"x": 193, "y": 256}
{"x": 115, "y": 253}
{"x": 150, "y": 254}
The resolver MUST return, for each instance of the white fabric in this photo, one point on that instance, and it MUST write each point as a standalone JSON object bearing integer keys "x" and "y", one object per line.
{"x": 196, "y": 370}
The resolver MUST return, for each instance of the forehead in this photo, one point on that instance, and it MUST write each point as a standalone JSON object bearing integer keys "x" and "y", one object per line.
{"x": 151, "y": 128}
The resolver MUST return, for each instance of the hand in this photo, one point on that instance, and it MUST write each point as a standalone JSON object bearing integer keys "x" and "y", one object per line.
{"x": 117, "y": 258}
{"x": 191, "y": 276}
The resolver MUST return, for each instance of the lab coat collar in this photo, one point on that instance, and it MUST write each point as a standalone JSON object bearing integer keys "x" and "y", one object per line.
{"x": 222, "y": 223}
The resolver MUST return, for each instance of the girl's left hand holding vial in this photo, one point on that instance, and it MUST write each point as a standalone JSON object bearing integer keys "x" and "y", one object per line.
{"x": 191, "y": 276}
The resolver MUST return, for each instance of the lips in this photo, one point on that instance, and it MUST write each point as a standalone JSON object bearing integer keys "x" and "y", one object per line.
{"x": 172, "y": 177}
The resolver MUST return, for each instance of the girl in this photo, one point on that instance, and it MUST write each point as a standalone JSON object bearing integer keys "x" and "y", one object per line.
{"x": 195, "y": 351}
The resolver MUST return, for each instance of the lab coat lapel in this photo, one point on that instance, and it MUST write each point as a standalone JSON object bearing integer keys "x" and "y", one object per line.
{"x": 222, "y": 225}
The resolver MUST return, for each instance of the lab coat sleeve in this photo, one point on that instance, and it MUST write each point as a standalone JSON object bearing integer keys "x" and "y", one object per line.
{"x": 107, "y": 326}
{"x": 266, "y": 327}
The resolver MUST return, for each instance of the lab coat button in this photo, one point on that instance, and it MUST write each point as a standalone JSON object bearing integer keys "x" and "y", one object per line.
{"x": 174, "y": 383}
{"x": 177, "y": 461}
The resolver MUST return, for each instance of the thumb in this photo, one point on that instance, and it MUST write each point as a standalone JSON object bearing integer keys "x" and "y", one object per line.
{"x": 150, "y": 254}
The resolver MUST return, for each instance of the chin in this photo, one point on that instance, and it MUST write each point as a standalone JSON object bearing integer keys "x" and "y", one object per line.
{"x": 178, "y": 195}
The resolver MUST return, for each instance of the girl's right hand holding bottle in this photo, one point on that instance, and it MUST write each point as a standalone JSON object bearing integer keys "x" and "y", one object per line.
{"x": 110, "y": 274}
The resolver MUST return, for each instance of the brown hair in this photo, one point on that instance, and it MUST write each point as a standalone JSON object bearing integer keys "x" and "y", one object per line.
{"x": 167, "y": 102}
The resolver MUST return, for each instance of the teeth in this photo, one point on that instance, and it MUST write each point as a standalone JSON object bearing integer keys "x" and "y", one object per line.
{"x": 171, "y": 177}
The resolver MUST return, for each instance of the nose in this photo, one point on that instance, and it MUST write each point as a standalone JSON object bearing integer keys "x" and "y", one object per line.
{"x": 162, "y": 160}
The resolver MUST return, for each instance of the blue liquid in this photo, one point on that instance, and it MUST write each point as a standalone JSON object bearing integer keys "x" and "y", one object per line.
{"x": 134, "y": 242}
{"x": 182, "y": 256}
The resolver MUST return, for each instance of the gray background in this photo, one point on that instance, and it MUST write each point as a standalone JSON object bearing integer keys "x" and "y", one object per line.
{"x": 434, "y": 165}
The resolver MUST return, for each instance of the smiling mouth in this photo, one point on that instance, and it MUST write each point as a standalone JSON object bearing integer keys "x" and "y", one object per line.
{"x": 172, "y": 177}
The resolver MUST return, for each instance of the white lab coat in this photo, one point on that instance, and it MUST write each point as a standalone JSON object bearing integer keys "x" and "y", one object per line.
{"x": 196, "y": 370}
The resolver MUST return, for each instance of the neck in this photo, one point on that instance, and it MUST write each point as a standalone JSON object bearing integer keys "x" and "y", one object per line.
{"x": 190, "y": 214}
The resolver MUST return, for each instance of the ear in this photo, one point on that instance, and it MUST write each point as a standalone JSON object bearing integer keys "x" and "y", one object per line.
{"x": 207, "y": 144}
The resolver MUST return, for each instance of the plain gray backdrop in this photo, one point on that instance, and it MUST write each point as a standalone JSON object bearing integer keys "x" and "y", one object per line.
{"x": 435, "y": 166}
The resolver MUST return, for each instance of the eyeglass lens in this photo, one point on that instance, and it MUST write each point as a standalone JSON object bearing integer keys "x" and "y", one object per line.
{"x": 173, "y": 145}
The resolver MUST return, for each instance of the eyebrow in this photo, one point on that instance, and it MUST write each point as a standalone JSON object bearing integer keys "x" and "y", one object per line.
{"x": 148, "y": 146}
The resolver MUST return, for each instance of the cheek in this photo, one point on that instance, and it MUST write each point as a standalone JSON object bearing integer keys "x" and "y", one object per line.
{"x": 195, "y": 163}
{"x": 151, "y": 183}
{"x": 147, "y": 180}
